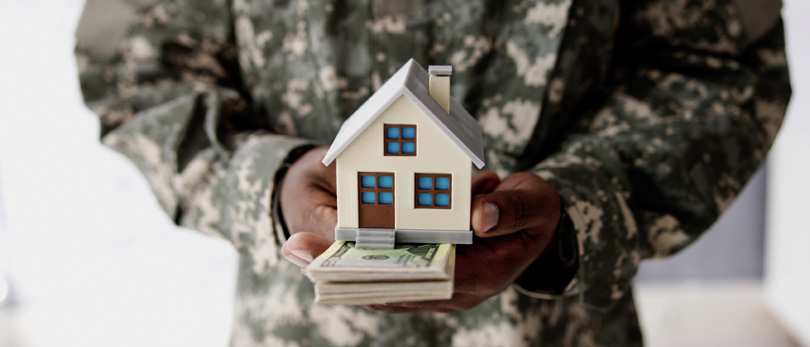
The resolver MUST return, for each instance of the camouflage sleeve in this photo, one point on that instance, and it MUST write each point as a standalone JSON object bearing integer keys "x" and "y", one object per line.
{"x": 692, "y": 106}
{"x": 168, "y": 93}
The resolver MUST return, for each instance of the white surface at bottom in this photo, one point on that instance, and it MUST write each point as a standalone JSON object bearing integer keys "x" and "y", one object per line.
{"x": 717, "y": 314}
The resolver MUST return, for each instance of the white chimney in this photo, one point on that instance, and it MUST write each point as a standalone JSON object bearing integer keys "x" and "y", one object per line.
{"x": 440, "y": 84}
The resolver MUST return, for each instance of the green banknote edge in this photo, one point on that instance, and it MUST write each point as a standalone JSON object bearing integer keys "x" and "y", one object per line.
{"x": 437, "y": 262}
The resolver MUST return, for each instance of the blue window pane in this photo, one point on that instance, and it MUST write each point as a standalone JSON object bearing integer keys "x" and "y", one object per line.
{"x": 425, "y": 183}
{"x": 392, "y": 133}
{"x": 368, "y": 197}
{"x": 408, "y": 133}
{"x": 386, "y": 182}
{"x": 408, "y": 147}
{"x": 442, "y": 199}
{"x": 424, "y": 199}
{"x": 386, "y": 198}
{"x": 367, "y": 181}
{"x": 393, "y": 148}
{"x": 443, "y": 183}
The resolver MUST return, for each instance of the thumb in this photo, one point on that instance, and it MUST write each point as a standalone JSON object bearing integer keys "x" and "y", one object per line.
{"x": 301, "y": 248}
{"x": 484, "y": 182}
{"x": 522, "y": 203}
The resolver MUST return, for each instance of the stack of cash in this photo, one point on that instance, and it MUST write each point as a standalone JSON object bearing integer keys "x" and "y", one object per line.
{"x": 409, "y": 272}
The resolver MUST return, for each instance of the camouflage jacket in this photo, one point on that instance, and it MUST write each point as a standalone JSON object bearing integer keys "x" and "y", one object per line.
{"x": 647, "y": 116}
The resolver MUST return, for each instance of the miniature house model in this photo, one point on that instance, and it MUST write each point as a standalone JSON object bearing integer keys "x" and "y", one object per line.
{"x": 404, "y": 163}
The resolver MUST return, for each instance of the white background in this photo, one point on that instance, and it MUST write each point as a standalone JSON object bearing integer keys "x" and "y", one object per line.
{"x": 787, "y": 257}
{"x": 93, "y": 259}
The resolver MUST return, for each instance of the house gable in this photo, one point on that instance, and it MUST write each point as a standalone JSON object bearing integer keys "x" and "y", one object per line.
{"x": 412, "y": 81}
{"x": 431, "y": 140}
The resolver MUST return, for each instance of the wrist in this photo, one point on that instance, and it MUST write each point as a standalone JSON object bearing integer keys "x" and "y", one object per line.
{"x": 276, "y": 208}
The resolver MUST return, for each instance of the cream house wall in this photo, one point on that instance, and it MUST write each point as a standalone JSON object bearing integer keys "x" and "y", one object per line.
{"x": 435, "y": 153}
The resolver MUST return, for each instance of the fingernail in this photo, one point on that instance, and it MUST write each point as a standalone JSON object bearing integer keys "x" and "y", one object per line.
{"x": 491, "y": 215}
{"x": 297, "y": 261}
{"x": 303, "y": 254}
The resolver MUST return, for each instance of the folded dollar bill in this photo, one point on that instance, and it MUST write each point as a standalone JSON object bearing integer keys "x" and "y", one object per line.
{"x": 382, "y": 299}
{"x": 325, "y": 288}
{"x": 348, "y": 275}
{"x": 379, "y": 293}
{"x": 342, "y": 262}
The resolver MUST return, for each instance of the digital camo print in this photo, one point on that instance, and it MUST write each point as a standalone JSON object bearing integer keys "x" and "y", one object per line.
{"x": 648, "y": 117}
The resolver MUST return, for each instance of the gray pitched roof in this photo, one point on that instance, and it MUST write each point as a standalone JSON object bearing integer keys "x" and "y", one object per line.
{"x": 412, "y": 80}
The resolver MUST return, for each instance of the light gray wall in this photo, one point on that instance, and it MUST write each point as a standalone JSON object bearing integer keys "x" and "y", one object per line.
{"x": 731, "y": 249}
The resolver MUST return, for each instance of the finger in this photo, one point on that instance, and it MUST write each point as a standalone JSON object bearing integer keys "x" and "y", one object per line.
{"x": 486, "y": 267}
{"x": 459, "y": 302}
{"x": 502, "y": 212}
{"x": 307, "y": 196}
{"x": 520, "y": 202}
{"x": 301, "y": 248}
{"x": 399, "y": 309}
{"x": 326, "y": 178}
{"x": 293, "y": 258}
{"x": 323, "y": 176}
{"x": 321, "y": 219}
{"x": 484, "y": 182}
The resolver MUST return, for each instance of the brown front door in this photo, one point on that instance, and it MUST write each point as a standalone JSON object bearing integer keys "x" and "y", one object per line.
{"x": 376, "y": 199}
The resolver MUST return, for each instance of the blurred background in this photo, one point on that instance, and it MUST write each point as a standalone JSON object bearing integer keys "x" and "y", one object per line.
{"x": 87, "y": 258}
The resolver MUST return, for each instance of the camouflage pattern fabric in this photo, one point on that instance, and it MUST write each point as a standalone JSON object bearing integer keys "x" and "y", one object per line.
{"x": 648, "y": 117}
